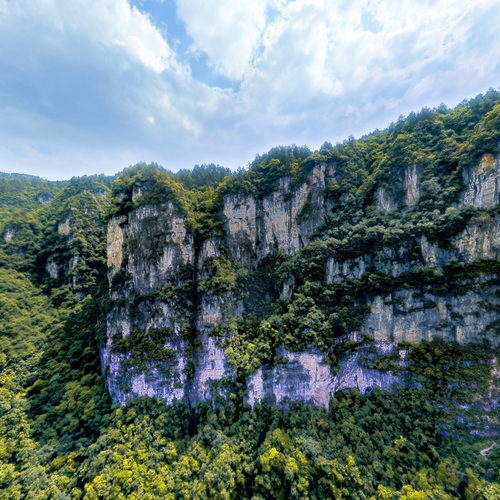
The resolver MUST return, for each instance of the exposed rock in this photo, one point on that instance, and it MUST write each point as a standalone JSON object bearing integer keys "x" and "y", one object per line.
{"x": 413, "y": 175}
{"x": 405, "y": 317}
{"x": 353, "y": 268}
{"x": 282, "y": 220}
{"x": 482, "y": 183}
{"x": 136, "y": 193}
{"x": 52, "y": 267}
{"x": 287, "y": 218}
{"x": 210, "y": 364}
{"x": 100, "y": 193}
{"x": 44, "y": 199}
{"x": 384, "y": 201}
{"x": 241, "y": 227}
{"x": 9, "y": 234}
{"x": 403, "y": 190}
{"x": 210, "y": 248}
{"x": 351, "y": 374}
{"x": 431, "y": 252}
{"x": 72, "y": 265}
{"x": 480, "y": 239}
{"x": 158, "y": 246}
{"x": 167, "y": 381}
{"x": 287, "y": 290}
{"x": 150, "y": 246}
{"x": 306, "y": 377}
{"x": 277, "y": 223}
{"x": 64, "y": 228}
{"x": 116, "y": 239}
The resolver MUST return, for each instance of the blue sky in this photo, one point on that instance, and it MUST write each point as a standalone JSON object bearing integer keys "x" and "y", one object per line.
{"x": 94, "y": 86}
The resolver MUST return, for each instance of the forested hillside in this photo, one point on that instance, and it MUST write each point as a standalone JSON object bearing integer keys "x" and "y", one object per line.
{"x": 400, "y": 211}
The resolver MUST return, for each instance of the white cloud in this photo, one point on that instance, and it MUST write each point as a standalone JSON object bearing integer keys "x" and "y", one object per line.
{"x": 105, "y": 23}
{"x": 101, "y": 70}
{"x": 99, "y": 78}
{"x": 322, "y": 59}
{"x": 228, "y": 31}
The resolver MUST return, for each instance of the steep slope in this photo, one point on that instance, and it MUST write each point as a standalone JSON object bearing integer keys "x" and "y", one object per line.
{"x": 307, "y": 264}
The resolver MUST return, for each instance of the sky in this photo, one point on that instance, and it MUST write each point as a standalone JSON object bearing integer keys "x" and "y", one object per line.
{"x": 93, "y": 86}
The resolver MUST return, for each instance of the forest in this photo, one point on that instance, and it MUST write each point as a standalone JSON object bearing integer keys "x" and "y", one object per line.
{"x": 61, "y": 436}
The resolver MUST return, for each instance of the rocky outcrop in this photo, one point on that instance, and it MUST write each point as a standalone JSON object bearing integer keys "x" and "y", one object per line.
{"x": 44, "y": 199}
{"x": 167, "y": 381}
{"x": 151, "y": 249}
{"x": 148, "y": 252}
{"x": 240, "y": 213}
{"x": 305, "y": 376}
{"x": 286, "y": 218}
{"x": 64, "y": 228}
{"x": 410, "y": 316}
{"x": 482, "y": 183}
{"x": 9, "y": 234}
{"x": 403, "y": 190}
{"x": 393, "y": 262}
{"x": 385, "y": 201}
{"x": 413, "y": 175}
{"x": 116, "y": 241}
{"x": 52, "y": 267}
{"x": 158, "y": 244}
{"x": 210, "y": 366}
{"x": 60, "y": 266}
{"x": 280, "y": 221}
{"x": 480, "y": 239}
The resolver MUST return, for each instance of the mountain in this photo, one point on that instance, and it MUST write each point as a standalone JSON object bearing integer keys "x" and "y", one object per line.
{"x": 388, "y": 240}
{"x": 320, "y": 325}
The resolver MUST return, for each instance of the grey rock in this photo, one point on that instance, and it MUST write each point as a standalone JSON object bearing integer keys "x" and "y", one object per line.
{"x": 44, "y": 199}
{"x": 482, "y": 183}
{"x": 405, "y": 317}
{"x": 9, "y": 234}
{"x": 308, "y": 378}
{"x": 52, "y": 267}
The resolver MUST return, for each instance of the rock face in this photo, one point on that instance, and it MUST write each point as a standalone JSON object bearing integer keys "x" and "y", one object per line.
{"x": 44, "y": 199}
{"x": 306, "y": 377}
{"x": 404, "y": 189}
{"x": 406, "y": 316}
{"x": 147, "y": 251}
{"x": 64, "y": 228}
{"x": 483, "y": 183}
{"x": 9, "y": 234}
{"x": 480, "y": 239}
{"x": 283, "y": 220}
{"x": 160, "y": 277}
{"x": 52, "y": 267}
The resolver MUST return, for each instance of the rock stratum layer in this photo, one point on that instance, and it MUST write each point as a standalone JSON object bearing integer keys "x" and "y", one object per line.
{"x": 164, "y": 287}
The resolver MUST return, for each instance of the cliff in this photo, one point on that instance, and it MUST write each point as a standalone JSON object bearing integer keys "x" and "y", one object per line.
{"x": 179, "y": 295}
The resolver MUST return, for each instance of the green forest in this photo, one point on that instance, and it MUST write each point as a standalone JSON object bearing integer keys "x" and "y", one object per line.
{"x": 61, "y": 437}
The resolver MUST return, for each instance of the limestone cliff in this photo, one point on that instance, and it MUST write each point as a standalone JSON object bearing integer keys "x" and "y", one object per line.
{"x": 161, "y": 274}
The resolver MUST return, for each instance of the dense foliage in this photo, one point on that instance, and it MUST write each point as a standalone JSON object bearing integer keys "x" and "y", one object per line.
{"x": 60, "y": 436}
